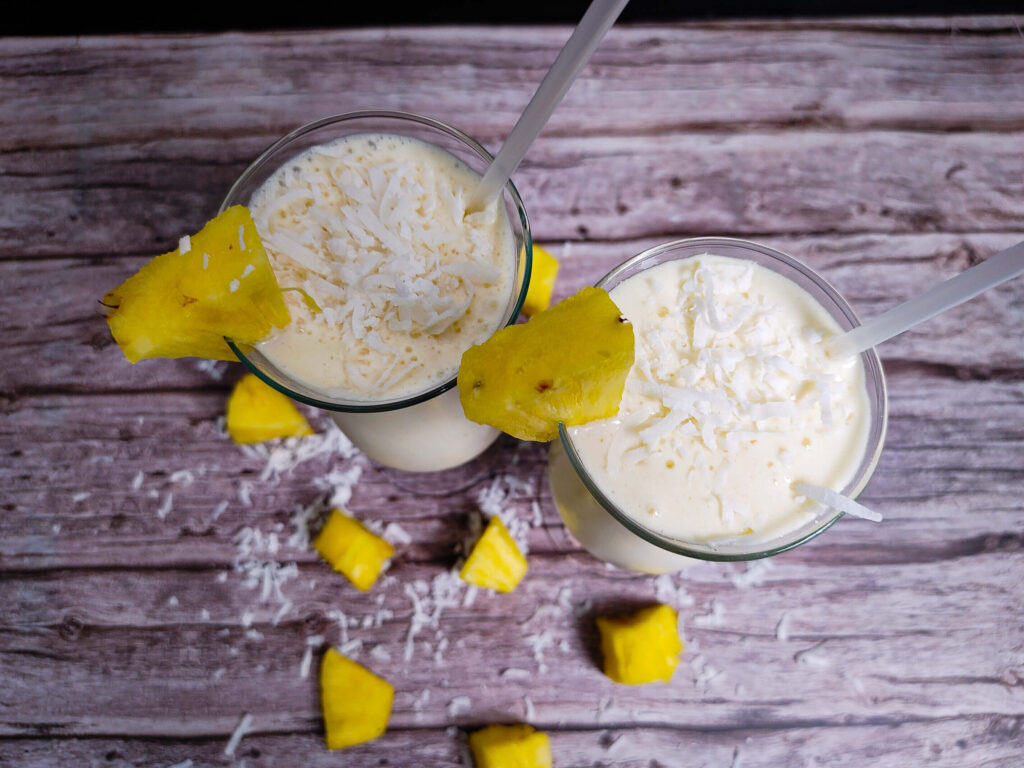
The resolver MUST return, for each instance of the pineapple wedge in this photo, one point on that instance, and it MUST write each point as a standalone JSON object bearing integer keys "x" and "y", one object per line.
{"x": 568, "y": 364}
{"x": 258, "y": 412}
{"x": 542, "y": 281}
{"x": 356, "y": 703}
{"x": 642, "y": 647}
{"x": 352, "y": 549}
{"x": 495, "y": 562}
{"x": 183, "y": 303}
{"x": 510, "y": 746}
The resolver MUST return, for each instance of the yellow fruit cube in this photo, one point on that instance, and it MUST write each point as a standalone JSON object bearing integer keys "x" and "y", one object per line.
{"x": 183, "y": 303}
{"x": 641, "y": 647}
{"x": 568, "y": 364}
{"x": 542, "y": 281}
{"x": 258, "y": 412}
{"x": 356, "y": 703}
{"x": 495, "y": 562}
{"x": 510, "y": 746}
{"x": 352, "y": 549}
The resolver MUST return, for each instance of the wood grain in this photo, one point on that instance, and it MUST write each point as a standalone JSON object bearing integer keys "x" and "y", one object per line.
{"x": 886, "y": 153}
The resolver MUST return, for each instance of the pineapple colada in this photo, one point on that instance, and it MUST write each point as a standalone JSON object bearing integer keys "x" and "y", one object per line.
{"x": 731, "y": 402}
{"x": 396, "y": 280}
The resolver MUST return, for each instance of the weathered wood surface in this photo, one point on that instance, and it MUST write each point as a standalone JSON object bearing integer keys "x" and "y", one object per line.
{"x": 889, "y": 154}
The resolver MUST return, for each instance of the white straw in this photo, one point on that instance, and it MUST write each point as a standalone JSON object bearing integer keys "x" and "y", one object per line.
{"x": 968, "y": 284}
{"x": 592, "y": 27}
{"x": 836, "y": 501}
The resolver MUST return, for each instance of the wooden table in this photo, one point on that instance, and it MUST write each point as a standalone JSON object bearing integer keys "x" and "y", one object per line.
{"x": 135, "y": 627}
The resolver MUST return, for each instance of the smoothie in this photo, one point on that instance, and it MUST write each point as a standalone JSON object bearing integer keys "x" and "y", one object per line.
{"x": 731, "y": 401}
{"x": 387, "y": 278}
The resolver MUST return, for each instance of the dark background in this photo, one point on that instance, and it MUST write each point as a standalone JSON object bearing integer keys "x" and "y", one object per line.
{"x": 89, "y": 18}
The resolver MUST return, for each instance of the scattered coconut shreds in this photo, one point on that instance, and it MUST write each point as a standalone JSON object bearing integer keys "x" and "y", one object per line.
{"x": 182, "y": 477}
{"x": 245, "y": 493}
{"x": 755, "y": 574}
{"x": 539, "y": 643}
{"x": 515, "y": 673}
{"x": 421, "y": 700}
{"x": 703, "y": 672}
{"x": 396, "y": 534}
{"x": 182, "y": 764}
{"x": 713, "y": 619}
{"x": 458, "y": 705}
{"x": 351, "y": 648}
{"x": 528, "y": 710}
{"x": 218, "y": 510}
{"x": 172, "y": 601}
{"x": 501, "y": 498}
{"x": 428, "y": 603}
{"x": 166, "y": 505}
{"x": 307, "y": 661}
{"x": 81, "y": 496}
{"x": 137, "y": 480}
{"x": 339, "y": 484}
{"x": 782, "y": 628}
{"x": 215, "y": 369}
{"x": 240, "y": 730}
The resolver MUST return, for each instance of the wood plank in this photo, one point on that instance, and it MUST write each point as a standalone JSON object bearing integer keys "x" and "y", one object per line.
{"x": 950, "y": 476}
{"x": 953, "y": 743}
{"x": 72, "y": 350}
{"x": 100, "y": 200}
{"x": 170, "y": 673}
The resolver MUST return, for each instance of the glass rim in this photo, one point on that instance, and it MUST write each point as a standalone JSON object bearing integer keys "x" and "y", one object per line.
{"x": 526, "y": 260}
{"x": 873, "y": 374}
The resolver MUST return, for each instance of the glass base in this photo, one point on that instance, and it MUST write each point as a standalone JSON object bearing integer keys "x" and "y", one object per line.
{"x": 597, "y": 531}
{"x": 426, "y": 437}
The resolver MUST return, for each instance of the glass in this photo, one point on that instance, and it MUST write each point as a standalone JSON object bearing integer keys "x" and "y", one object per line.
{"x": 426, "y": 431}
{"x": 612, "y": 535}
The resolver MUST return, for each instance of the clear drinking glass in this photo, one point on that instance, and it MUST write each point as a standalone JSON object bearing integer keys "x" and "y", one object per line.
{"x": 428, "y": 430}
{"x": 611, "y": 534}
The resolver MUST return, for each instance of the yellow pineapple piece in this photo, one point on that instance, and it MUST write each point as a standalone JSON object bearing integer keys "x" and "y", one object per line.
{"x": 510, "y": 746}
{"x": 542, "y": 280}
{"x": 640, "y": 647}
{"x": 352, "y": 549}
{"x": 495, "y": 562}
{"x": 184, "y": 304}
{"x": 258, "y": 412}
{"x": 567, "y": 364}
{"x": 356, "y": 703}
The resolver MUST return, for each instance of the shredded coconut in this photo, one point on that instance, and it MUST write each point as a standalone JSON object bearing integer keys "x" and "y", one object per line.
{"x": 240, "y": 731}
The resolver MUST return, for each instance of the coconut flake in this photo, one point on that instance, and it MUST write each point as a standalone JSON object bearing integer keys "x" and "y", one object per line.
{"x": 236, "y": 737}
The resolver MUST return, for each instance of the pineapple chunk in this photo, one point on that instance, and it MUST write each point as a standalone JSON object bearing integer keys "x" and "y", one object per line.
{"x": 258, "y": 412}
{"x": 542, "y": 280}
{"x": 352, "y": 549}
{"x": 356, "y": 703}
{"x": 641, "y": 647}
{"x": 184, "y": 304}
{"x": 568, "y": 364}
{"x": 510, "y": 746}
{"x": 495, "y": 562}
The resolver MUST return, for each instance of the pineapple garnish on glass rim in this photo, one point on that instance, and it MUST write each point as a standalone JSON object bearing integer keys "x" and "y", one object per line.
{"x": 567, "y": 364}
{"x": 217, "y": 283}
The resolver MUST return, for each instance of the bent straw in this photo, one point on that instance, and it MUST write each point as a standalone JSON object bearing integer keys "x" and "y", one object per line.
{"x": 968, "y": 284}
{"x": 577, "y": 50}
{"x": 829, "y": 498}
